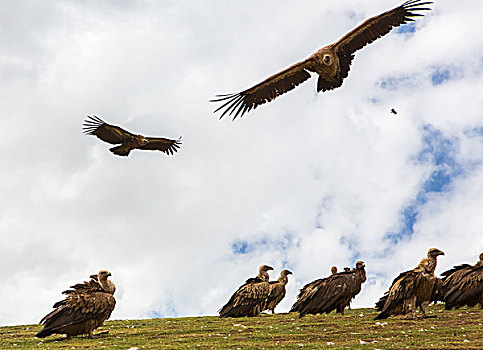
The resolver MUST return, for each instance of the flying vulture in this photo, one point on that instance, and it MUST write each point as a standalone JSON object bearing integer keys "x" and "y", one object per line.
{"x": 393, "y": 111}
{"x": 276, "y": 291}
{"x": 250, "y": 298}
{"x": 463, "y": 285}
{"x": 331, "y": 293}
{"x": 411, "y": 289}
{"x": 330, "y": 63}
{"x": 333, "y": 270}
{"x": 116, "y": 135}
{"x": 86, "y": 306}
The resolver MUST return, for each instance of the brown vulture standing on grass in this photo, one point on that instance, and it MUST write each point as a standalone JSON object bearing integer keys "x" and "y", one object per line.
{"x": 86, "y": 306}
{"x": 330, "y": 63}
{"x": 276, "y": 291}
{"x": 463, "y": 285}
{"x": 331, "y": 293}
{"x": 411, "y": 289}
{"x": 250, "y": 298}
{"x": 117, "y": 135}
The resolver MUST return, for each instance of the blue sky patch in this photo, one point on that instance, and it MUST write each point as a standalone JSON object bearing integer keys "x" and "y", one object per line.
{"x": 406, "y": 28}
{"x": 440, "y": 151}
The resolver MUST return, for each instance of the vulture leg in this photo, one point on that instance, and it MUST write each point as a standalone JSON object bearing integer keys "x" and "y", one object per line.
{"x": 423, "y": 307}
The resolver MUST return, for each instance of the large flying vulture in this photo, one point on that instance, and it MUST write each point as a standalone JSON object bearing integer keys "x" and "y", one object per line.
{"x": 411, "y": 289}
{"x": 116, "y": 135}
{"x": 330, "y": 63}
{"x": 331, "y": 293}
{"x": 86, "y": 306}
{"x": 463, "y": 285}
{"x": 276, "y": 291}
{"x": 250, "y": 298}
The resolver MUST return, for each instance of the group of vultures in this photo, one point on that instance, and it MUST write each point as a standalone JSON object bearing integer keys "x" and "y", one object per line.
{"x": 87, "y": 305}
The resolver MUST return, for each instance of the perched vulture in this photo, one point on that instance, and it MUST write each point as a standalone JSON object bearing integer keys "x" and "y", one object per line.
{"x": 331, "y": 293}
{"x": 276, "y": 291}
{"x": 116, "y": 135}
{"x": 86, "y": 306}
{"x": 411, "y": 289}
{"x": 250, "y": 298}
{"x": 333, "y": 270}
{"x": 347, "y": 269}
{"x": 463, "y": 285}
{"x": 330, "y": 63}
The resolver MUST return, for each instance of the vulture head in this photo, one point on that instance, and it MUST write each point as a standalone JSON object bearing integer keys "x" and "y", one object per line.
{"x": 434, "y": 252}
{"x": 286, "y": 272}
{"x": 333, "y": 270}
{"x": 141, "y": 140}
{"x": 265, "y": 268}
{"x": 347, "y": 269}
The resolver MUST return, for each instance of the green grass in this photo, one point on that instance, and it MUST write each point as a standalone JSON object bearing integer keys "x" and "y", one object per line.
{"x": 460, "y": 329}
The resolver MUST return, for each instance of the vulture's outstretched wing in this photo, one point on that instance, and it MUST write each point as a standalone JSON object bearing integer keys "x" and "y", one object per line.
{"x": 269, "y": 89}
{"x": 106, "y": 132}
{"x": 468, "y": 291}
{"x": 161, "y": 144}
{"x": 247, "y": 300}
{"x": 378, "y": 26}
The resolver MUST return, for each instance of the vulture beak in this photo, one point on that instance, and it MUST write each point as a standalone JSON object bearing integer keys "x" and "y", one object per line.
{"x": 267, "y": 268}
{"x": 109, "y": 274}
{"x": 93, "y": 276}
{"x": 289, "y": 273}
{"x": 440, "y": 253}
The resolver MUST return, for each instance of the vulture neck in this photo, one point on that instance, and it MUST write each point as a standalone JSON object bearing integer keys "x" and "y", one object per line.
{"x": 263, "y": 275}
{"x": 283, "y": 279}
{"x": 107, "y": 285}
{"x": 362, "y": 273}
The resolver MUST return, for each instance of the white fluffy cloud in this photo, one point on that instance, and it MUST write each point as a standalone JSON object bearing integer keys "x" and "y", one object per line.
{"x": 305, "y": 182}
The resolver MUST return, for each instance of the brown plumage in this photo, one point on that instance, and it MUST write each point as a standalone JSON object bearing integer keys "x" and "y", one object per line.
{"x": 330, "y": 63}
{"x": 331, "y": 293}
{"x": 333, "y": 270}
{"x": 250, "y": 298}
{"x": 411, "y": 289}
{"x": 276, "y": 291}
{"x": 116, "y": 135}
{"x": 86, "y": 306}
{"x": 463, "y": 285}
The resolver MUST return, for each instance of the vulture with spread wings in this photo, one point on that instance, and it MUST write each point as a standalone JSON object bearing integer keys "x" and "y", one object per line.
{"x": 411, "y": 289}
{"x": 250, "y": 298}
{"x": 86, "y": 306}
{"x": 117, "y": 135}
{"x": 331, "y": 293}
{"x": 331, "y": 63}
{"x": 463, "y": 285}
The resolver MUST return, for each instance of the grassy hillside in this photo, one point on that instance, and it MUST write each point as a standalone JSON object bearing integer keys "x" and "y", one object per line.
{"x": 461, "y": 329}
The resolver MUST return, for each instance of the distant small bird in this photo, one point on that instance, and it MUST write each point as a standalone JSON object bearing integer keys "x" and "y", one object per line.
{"x": 463, "y": 285}
{"x": 128, "y": 142}
{"x": 85, "y": 308}
{"x": 331, "y": 293}
{"x": 276, "y": 291}
{"x": 250, "y": 298}
{"x": 330, "y": 63}
{"x": 393, "y": 111}
{"x": 411, "y": 289}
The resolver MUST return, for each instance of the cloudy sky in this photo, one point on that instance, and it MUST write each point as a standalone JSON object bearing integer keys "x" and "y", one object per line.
{"x": 305, "y": 182}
